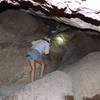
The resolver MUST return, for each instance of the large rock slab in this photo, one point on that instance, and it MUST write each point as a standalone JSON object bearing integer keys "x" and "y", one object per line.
{"x": 85, "y": 76}
{"x": 79, "y": 13}
{"x": 54, "y": 86}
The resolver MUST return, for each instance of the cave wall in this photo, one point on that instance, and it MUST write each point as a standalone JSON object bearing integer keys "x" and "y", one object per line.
{"x": 85, "y": 75}
{"x": 17, "y": 30}
{"x": 81, "y": 43}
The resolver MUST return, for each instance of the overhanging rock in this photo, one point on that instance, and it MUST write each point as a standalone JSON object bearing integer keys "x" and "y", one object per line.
{"x": 79, "y": 13}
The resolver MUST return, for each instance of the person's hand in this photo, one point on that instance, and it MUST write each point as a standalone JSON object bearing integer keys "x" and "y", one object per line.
{"x": 46, "y": 54}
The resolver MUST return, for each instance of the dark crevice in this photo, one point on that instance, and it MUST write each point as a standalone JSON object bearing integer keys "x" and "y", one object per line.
{"x": 4, "y": 6}
{"x": 69, "y": 97}
{"x": 40, "y": 1}
{"x": 96, "y": 97}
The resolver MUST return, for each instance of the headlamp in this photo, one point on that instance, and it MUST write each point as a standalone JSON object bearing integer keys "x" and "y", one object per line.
{"x": 59, "y": 40}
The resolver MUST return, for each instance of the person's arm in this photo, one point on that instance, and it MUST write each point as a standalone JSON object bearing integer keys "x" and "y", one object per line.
{"x": 47, "y": 48}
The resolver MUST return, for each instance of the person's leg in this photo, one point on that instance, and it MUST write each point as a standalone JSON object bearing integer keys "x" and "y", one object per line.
{"x": 42, "y": 67}
{"x": 42, "y": 62}
{"x": 33, "y": 64}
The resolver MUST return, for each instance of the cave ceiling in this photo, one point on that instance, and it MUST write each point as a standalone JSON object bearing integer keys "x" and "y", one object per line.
{"x": 84, "y": 14}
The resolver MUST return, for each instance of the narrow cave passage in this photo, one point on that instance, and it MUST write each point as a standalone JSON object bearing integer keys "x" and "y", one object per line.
{"x": 18, "y": 30}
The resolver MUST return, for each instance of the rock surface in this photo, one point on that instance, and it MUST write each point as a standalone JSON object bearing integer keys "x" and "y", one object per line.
{"x": 79, "y": 13}
{"x": 85, "y": 76}
{"x": 53, "y": 86}
{"x": 16, "y": 36}
{"x": 17, "y": 31}
{"x": 80, "y": 80}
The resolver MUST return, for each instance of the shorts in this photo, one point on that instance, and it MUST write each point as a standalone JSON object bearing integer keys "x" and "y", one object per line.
{"x": 34, "y": 55}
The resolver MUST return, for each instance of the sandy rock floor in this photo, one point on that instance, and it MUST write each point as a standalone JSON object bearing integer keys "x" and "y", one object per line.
{"x": 53, "y": 86}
